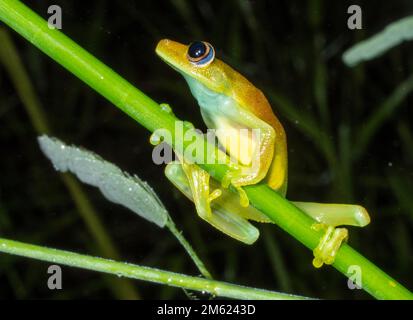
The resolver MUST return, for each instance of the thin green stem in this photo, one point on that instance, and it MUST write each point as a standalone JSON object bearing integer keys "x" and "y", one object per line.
{"x": 121, "y": 269}
{"x": 381, "y": 114}
{"x": 188, "y": 248}
{"x": 149, "y": 114}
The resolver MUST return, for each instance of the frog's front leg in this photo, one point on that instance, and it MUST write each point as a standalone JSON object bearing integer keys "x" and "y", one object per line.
{"x": 198, "y": 181}
{"x": 193, "y": 181}
{"x": 328, "y": 216}
{"x": 252, "y": 143}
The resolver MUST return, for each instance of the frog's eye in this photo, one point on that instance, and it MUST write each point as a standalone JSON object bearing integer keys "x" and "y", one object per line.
{"x": 200, "y": 53}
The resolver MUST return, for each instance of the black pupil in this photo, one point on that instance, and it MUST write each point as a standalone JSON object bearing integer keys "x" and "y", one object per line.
{"x": 197, "y": 49}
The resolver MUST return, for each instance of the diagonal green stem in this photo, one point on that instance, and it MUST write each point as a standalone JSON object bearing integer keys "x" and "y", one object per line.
{"x": 121, "y": 269}
{"x": 149, "y": 114}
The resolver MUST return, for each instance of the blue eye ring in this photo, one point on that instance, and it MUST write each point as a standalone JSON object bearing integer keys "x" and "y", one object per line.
{"x": 200, "y": 53}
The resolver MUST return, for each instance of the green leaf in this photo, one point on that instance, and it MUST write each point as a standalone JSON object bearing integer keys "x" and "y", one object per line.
{"x": 393, "y": 35}
{"x": 117, "y": 186}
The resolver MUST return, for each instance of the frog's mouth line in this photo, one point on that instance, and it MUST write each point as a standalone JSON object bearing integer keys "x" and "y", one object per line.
{"x": 166, "y": 58}
{"x": 174, "y": 65}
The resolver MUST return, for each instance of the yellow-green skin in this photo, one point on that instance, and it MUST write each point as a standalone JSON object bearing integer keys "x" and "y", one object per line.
{"x": 229, "y": 101}
{"x": 221, "y": 78}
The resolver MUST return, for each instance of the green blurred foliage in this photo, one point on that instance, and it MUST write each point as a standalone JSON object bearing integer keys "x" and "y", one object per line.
{"x": 350, "y": 140}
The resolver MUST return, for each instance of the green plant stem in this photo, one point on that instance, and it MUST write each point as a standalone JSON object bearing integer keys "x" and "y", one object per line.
{"x": 188, "y": 248}
{"x": 149, "y": 114}
{"x": 121, "y": 269}
{"x": 381, "y": 114}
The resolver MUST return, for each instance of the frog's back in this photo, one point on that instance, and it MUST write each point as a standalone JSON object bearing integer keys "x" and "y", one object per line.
{"x": 253, "y": 100}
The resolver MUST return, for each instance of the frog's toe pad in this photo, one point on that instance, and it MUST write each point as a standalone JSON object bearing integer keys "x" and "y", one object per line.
{"x": 214, "y": 194}
{"x": 243, "y": 198}
{"x": 330, "y": 243}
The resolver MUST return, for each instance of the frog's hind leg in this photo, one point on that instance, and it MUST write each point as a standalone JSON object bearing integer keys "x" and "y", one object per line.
{"x": 328, "y": 217}
{"x": 193, "y": 182}
{"x": 336, "y": 214}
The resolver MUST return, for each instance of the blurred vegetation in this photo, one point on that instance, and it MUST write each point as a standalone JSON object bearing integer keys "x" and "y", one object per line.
{"x": 350, "y": 140}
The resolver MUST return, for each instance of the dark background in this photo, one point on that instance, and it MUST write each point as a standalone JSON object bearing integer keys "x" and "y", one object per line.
{"x": 292, "y": 51}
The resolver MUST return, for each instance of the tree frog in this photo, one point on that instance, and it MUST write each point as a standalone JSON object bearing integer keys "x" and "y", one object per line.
{"x": 228, "y": 103}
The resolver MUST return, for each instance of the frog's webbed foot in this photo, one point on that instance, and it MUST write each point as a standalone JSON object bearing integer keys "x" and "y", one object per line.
{"x": 198, "y": 181}
{"x": 329, "y": 244}
{"x": 194, "y": 183}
